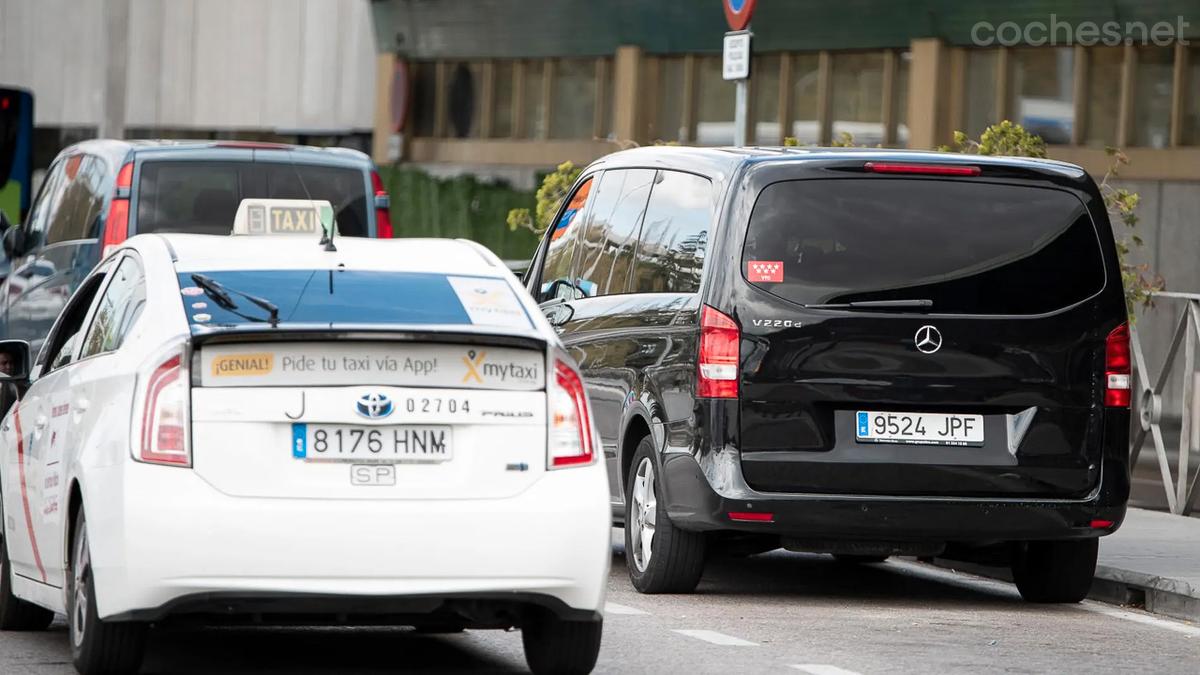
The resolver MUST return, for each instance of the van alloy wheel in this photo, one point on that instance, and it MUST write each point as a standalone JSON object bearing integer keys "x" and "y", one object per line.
{"x": 645, "y": 511}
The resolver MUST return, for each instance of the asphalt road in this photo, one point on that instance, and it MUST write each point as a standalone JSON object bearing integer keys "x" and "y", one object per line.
{"x": 780, "y": 612}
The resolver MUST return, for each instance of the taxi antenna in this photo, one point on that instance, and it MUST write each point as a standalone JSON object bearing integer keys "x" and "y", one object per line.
{"x": 326, "y": 234}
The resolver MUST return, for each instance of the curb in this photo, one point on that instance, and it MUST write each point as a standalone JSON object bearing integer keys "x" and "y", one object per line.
{"x": 1113, "y": 585}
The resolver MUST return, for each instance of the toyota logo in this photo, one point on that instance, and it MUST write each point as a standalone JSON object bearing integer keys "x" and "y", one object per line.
{"x": 374, "y": 406}
{"x": 928, "y": 339}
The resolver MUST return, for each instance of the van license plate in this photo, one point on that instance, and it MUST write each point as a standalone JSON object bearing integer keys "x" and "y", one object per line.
{"x": 363, "y": 444}
{"x": 918, "y": 428}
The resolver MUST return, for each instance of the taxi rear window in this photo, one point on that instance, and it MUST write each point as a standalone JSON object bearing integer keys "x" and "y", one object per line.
{"x": 348, "y": 297}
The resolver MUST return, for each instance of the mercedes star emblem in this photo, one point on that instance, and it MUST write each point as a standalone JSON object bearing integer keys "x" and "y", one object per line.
{"x": 928, "y": 339}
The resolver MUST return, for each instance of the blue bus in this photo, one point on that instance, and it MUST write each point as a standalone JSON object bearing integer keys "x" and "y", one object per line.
{"x": 16, "y": 152}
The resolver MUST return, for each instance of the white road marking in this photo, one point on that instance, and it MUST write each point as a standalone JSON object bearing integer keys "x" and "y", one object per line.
{"x": 614, "y": 608}
{"x": 822, "y": 669}
{"x": 1138, "y": 617}
{"x": 1132, "y": 615}
{"x": 716, "y": 638}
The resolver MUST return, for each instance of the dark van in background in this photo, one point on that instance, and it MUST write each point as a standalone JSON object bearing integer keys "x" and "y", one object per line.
{"x": 98, "y": 193}
{"x": 862, "y": 353}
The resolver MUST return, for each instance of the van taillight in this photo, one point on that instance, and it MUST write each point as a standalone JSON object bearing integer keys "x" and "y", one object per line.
{"x": 163, "y": 437}
{"x": 720, "y": 340}
{"x": 383, "y": 205}
{"x": 116, "y": 225}
{"x": 571, "y": 441}
{"x": 1117, "y": 368}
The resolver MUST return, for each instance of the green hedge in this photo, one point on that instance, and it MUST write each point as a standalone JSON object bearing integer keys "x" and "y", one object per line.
{"x": 425, "y": 206}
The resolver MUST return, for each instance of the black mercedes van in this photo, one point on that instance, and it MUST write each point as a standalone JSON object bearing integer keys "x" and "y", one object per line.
{"x": 858, "y": 352}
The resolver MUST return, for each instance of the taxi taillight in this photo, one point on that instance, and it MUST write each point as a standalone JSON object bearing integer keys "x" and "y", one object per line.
{"x": 570, "y": 436}
{"x": 116, "y": 225}
{"x": 383, "y": 206}
{"x": 163, "y": 434}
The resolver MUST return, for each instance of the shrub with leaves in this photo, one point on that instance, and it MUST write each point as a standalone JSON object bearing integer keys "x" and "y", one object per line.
{"x": 556, "y": 186}
{"x": 1009, "y": 139}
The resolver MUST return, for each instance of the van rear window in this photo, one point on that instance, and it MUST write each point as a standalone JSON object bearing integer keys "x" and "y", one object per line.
{"x": 202, "y": 197}
{"x": 949, "y": 246}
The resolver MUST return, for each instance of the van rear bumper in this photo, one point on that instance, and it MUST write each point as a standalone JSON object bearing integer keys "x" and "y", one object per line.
{"x": 693, "y": 503}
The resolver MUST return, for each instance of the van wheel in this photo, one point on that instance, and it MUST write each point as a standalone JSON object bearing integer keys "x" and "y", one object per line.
{"x": 661, "y": 558}
{"x": 852, "y": 559}
{"x": 98, "y": 647}
{"x": 15, "y": 613}
{"x": 553, "y": 645}
{"x": 1055, "y": 571}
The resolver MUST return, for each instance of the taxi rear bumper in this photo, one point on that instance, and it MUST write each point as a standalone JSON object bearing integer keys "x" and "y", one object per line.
{"x": 165, "y": 542}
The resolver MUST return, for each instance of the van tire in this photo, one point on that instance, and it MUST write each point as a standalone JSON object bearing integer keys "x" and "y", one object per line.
{"x": 857, "y": 559}
{"x": 555, "y": 646}
{"x": 98, "y": 647}
{"x": 1055, "y": 571}
{"x": 15, "y": 613}
{"x": 676, "y": 559}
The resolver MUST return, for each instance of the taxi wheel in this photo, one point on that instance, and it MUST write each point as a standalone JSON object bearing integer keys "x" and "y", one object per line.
{"x": 98, "y": 647}
{"x": 661, "y": 558}
{"x": 1055, "y": 571}
{"x": 15, "y": 613}
{"x": 554, "y": 645}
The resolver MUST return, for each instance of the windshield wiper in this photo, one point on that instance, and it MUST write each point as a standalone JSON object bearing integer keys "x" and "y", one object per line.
{"x": 875, "y": 304}
{"x": 221, "y": 295}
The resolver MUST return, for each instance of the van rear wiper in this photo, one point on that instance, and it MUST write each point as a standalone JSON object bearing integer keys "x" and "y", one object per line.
{"x": 221, "y": 295}
{"x": 875, "y": 304}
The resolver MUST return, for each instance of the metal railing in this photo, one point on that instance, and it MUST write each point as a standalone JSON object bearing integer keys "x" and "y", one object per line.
{"x": 1179, "y": 482}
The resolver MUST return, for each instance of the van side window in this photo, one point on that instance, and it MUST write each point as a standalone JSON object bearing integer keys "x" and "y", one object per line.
{"x": 671, "y": 249}
{"x": 45, "y": 206}
{"x": 117, "y": 309}
{"x": 606, "y": 252}
{"x": 81, "y": 201}
{"x": 560, "y": 254}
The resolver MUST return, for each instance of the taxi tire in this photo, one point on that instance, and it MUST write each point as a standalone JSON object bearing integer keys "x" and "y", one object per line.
{"x": 558, "y": 646}
{"x": 107, "y": 648}
{"x": 677, "y": 556}
{"x": 1055, "y": 571}
{"x": 15, "y": 613}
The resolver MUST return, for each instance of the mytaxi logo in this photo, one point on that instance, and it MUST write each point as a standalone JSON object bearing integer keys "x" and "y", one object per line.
{"x": 480, "y": 370}
{"x": 473, "y": 360}
{"x": 242, "y": 365}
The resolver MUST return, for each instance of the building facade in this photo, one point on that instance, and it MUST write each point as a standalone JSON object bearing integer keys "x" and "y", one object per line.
{"x": 230, "y": 69}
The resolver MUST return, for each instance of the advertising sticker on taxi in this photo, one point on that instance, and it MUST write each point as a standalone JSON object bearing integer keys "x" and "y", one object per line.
{"x": 357, "y": 363}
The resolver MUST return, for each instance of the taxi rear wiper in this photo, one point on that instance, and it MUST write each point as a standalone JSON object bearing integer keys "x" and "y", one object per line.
{"x": 875, "y": 304}
{"x": 221, "y": 295}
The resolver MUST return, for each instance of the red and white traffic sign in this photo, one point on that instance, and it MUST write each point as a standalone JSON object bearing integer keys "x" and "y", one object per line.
{"x": 737, "y": 13}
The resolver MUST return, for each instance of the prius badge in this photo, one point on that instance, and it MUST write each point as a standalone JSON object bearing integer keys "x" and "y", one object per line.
{"x": 928, "y": 339}
{"x": 374, "y": 406}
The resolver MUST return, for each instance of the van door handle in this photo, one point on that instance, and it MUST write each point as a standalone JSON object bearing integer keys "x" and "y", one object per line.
{"x": 40, "y": 422}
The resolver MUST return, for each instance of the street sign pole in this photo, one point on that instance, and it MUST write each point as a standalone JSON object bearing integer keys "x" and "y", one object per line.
{"x": 736, "y": 63}
{"x": 741, "y": 110}
{"x": 735, "y": 67}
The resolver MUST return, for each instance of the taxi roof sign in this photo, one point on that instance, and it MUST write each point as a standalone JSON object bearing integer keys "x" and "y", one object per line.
{"x": 284, "y": 217}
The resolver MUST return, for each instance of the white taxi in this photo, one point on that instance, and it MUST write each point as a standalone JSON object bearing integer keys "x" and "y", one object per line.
{"x": 267, "y": 427}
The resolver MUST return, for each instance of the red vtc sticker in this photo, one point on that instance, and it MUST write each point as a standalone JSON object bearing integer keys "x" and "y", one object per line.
{"x": 765, "y": 271}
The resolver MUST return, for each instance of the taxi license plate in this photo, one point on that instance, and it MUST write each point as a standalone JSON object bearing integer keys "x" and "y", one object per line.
{"x": 363, "y": 444}
{"x": 918, "y": 428}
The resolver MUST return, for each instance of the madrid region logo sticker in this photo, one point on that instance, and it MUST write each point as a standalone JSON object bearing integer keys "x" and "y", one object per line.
{"x": 764, "y": 271}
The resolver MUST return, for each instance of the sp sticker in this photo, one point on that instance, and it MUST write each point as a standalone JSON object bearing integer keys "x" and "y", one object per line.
{"x": 765, "y": 271}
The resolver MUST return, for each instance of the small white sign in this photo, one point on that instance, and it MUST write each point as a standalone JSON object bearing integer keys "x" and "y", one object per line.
{"x": 736, "y": 64}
